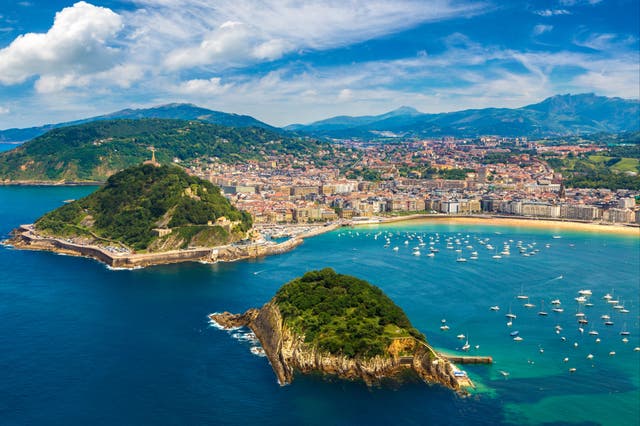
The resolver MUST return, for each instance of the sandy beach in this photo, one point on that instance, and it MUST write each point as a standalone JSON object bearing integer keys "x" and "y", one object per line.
{"x": 522, "y": 222}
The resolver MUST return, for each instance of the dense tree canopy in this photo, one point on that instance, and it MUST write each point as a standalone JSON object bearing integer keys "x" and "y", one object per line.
{"x": 138, "y": 199}
{"x": 342, "y": 314}
{"x": 96, "y": 150}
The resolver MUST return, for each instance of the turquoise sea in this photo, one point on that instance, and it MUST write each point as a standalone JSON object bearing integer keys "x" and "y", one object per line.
{"x": 82, "y": 344}
{"x": 7, "y": 146}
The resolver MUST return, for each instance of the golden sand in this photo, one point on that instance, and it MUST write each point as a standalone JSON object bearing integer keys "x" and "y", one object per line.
{"x": 552, "y": 225}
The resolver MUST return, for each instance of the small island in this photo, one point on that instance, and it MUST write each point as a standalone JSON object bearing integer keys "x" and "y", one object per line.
{"x": 343, "y": 326}
{"x": 147, "y": 215}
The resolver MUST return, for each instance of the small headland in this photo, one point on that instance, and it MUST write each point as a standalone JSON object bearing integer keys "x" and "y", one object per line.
{"x": 342, "y": 326}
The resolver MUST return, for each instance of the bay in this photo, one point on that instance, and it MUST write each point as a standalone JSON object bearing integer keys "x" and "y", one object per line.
{"x": 85, "y": 344}
{"x": 7, "y": 146}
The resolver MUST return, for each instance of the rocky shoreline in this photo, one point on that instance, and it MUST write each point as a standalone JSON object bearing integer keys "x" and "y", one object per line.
{"x": 26, "y": 237}
{"x": 287, "y": 353}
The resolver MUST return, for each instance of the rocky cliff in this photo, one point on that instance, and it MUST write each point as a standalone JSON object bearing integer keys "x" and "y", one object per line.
{"x": 288, "y": 352}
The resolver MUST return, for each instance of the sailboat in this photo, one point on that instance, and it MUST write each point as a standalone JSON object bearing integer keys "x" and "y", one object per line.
{"x": 542, "y": 313}
{"x": 624, "y": 331}
{"x": 522, "y": 296}
{"x": 466, "y": 346}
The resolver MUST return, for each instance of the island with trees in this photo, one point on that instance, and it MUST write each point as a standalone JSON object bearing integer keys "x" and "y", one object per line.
{"x": 346, "y": 327}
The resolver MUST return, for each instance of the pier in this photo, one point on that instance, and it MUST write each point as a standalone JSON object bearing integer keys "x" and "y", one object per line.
{"x": 459, "y": 359}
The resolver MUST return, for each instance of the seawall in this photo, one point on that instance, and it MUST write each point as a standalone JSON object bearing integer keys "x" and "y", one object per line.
{"x": 25, "y": 238}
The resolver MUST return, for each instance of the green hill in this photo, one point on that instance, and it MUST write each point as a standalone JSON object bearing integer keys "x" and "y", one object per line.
{"x": 176, "y": 111}
{"x": 342, "y": 314}
{"x": 94, "y": 151}
{"x": 140, "y": 199}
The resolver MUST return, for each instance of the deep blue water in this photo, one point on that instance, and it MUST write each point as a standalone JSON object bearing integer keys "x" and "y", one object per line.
{"x": 82, "y": 344}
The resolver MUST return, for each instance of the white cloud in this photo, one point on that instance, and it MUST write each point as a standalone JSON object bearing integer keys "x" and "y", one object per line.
{"x": 552, "y": 12}
{"x": 121, "y": 76}
{"x": 4, "y": 110}
{"x": 76, "y": 44}
{"x": 224, "y": 46}
{"x": 541, "y": 29}
{"x": 579, "y": 2}
{"x": 345, "y": 95}
{"x": 201, "y": 87}
{"x": 270, "y": 50}
{"x": 227, "y": 33}
{"x": 605, "y": 42}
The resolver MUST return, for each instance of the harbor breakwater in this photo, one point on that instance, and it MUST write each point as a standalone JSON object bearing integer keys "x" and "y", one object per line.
{"x": 26, "y": 238}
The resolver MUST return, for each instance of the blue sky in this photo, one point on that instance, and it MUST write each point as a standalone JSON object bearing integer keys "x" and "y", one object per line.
{"x": 296, "y": 61}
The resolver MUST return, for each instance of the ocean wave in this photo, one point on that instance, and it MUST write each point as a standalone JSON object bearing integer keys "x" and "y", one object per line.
{"x": 248, "y": 336}
{"x": 258, "y": 351}
{"x": 119, "y": 268}
{"x": 215, "y": 324}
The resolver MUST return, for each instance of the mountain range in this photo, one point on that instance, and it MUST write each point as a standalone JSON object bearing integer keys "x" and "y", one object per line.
{"x": 555, "y": 116}
{"x": 559, "y": 115}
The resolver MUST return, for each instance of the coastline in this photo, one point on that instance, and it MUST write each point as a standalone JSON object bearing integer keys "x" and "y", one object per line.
{"x": 514, "y": 221}
{"x": 25, "y": 238}
{"x": 50, "y": 183}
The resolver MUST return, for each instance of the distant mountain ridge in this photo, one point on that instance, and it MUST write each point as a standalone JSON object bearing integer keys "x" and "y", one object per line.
{"x": 174, "y": 111}
{"x": 555, "y": 116}
{"x": 559, "y": 115}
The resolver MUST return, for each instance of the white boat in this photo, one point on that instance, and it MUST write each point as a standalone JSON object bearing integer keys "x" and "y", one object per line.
{"x": 518, "y": 339}
{"x": 529, "y": 305}
{"x": 461, "y": 336}
{"x": 496, "y": 256}
{"x": 396, "y": 248}
{"x": 461, "y": 260}
{"x": 558, "y": 310}
{"x": 416, "y": 253}
{"x": 495, "y": 308}
{"x": 431, "y": 254}
{"x": 555, "y": 302}
{"x": 624, "y": 331}
{"x": 556, "y": 237}
{"x": 585, "y": 292}
{"x": 466, "y": 346}
{"x": 444, "y": 327}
